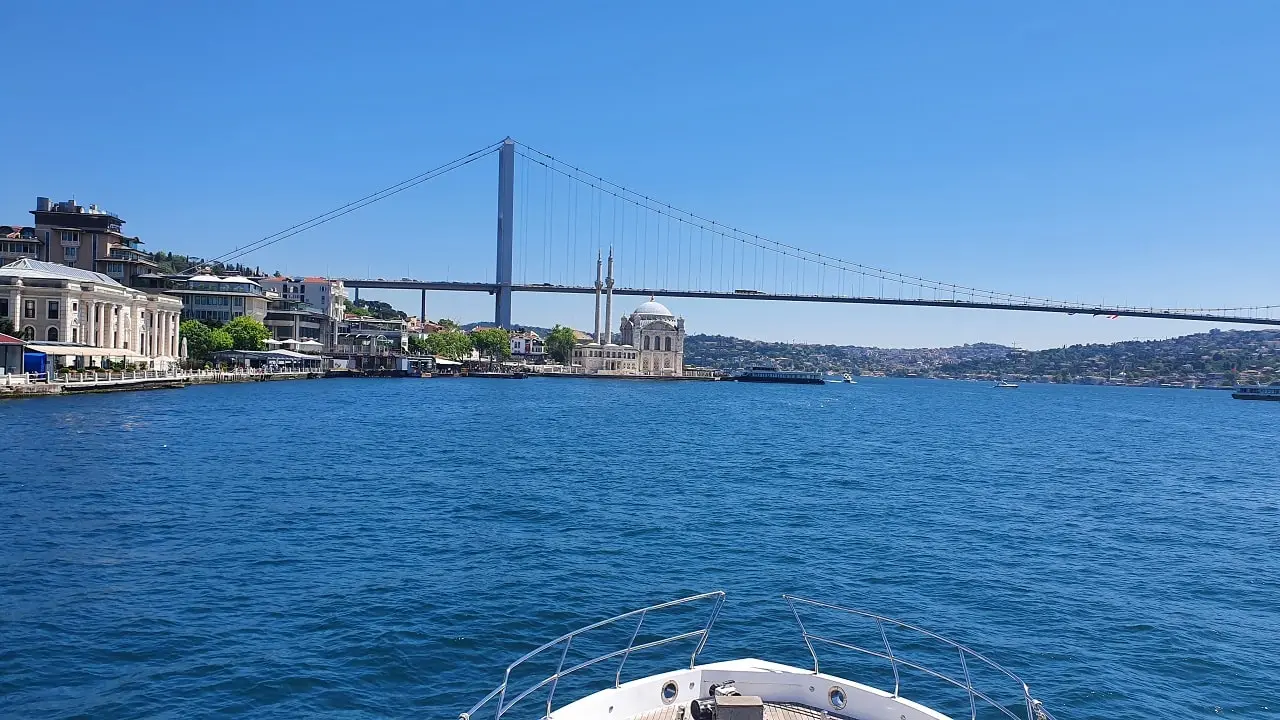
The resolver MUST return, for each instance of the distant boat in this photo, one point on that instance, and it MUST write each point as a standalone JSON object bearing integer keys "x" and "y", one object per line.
{"x": 849, "y": 379}
{"x": 769, "y": 374}
{"x": 1005, "y": 384}
{"x": 1257, "y": 392}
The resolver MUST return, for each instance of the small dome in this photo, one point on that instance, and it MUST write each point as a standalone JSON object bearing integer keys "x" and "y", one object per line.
{"x": 653, "y": 308}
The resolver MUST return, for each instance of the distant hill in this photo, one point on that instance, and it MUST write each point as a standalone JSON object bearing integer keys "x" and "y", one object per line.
{"x": 728, "y": 353}
{"x": 1216, "y": 358}
{"x": 542, "y": 331}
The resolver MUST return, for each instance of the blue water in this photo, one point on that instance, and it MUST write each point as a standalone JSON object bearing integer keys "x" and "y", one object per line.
{"x": 385, "y": 547}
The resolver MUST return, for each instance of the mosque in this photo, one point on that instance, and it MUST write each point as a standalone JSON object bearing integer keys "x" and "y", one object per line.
{"x": 652, "y": 337}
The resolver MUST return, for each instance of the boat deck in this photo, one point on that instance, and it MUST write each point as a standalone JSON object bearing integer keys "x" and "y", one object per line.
{"x": 772, "y": 711}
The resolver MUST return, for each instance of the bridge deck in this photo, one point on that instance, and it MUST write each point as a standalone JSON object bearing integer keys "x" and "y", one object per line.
{"x": 1157, "y": 313}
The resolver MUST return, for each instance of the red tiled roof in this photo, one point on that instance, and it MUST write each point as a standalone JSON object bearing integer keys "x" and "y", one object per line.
{"x": 9, "y": 340}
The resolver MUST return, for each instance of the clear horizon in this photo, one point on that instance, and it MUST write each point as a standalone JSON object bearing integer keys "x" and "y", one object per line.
{"x": 1122, "y": 154}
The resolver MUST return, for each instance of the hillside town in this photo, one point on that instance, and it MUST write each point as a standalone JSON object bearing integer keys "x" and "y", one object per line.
{"x": 1217, "y": 358}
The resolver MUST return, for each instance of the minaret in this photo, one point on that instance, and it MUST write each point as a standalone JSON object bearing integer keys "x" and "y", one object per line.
{"x": 599, "y": 287}
{"x": 608, "y": 301}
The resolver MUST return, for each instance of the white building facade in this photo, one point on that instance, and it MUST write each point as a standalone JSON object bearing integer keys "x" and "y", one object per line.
{"x": 613, "y": 359}
{"x": 86, "y": 310}
{"x": 528, "y": 345}
{"x": 321, "y": 295}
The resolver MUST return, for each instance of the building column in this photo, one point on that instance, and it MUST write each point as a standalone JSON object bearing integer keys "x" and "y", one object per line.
{"x": 15, "y": 309}
{"x": 162, "y": 333}
{"x": 173, "y": 334}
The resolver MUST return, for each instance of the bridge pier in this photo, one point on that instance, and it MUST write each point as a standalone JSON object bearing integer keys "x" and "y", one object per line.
{"x": 506, "y": 225}
{"x": 422, "y": 316}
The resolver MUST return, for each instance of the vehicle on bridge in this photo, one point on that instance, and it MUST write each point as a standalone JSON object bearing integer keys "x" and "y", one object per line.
{"x": 748, "y": 292}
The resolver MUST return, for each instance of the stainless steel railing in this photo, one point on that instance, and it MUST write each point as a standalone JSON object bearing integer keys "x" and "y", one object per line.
{"x": 716, "y": 599}
{"x": 1034, "y": 708}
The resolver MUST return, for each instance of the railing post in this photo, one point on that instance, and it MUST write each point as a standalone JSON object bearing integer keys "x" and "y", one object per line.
{"x": 805, "y": 634}
{"x": 968, "y": 687}
{"x": 893, "y": 663}
{"x": 706, "y": 630}
{"x": 617, "y": 679}
{"x": 563, "y": 654}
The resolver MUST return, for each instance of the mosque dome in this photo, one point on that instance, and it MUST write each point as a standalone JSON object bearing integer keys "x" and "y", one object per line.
{"x": 653, "y": 308}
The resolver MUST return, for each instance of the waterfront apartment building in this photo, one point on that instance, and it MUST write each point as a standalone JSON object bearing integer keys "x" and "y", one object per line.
{"x": 294, "y": 320}
{"x": 370, "y": 336}
{"x": 17, "y": 242}
{"x": 317, "y": 295}
{"x": 210, "y": 297}
{"x": 88, "y": 238}
{"x": 81, "y": 311}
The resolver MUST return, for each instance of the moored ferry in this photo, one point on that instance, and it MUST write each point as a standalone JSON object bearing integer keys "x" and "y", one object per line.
{"x": 753, "y": 689}
{"x": 768, "y": 374}
{"x": 1257, "y": 392}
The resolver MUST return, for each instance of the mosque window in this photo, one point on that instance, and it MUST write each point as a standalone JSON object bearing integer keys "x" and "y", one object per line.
{"x": 646, "y": 342}
{"x": 668, "y": 344}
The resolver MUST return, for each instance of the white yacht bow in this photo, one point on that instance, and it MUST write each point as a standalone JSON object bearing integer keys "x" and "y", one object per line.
{"x": 752, "y": 689}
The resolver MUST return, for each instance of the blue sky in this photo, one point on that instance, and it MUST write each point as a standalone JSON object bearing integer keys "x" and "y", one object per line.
{"x": 1119, "y": 152}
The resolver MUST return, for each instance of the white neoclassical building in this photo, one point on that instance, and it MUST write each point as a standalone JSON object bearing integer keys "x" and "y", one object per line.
{"x": 79, "y": 315}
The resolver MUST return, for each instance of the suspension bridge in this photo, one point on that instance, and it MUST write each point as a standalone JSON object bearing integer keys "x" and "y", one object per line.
{"x": 554, "y": 219}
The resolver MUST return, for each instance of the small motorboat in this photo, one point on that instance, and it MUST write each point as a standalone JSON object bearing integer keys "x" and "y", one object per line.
{"x": 1005, "y": 384}
{"x": 849, "y": 379}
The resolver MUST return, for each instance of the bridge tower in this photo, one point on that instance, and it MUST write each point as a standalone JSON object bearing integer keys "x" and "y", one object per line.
{"x": 506, "y": 225}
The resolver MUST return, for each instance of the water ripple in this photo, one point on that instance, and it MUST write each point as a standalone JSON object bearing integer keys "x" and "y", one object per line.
{"x": 376, "y": 548}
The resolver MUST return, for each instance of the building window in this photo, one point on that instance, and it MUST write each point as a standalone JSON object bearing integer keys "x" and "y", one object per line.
{"x": 28, "y": 333}
{"x": 69, "y": 238}
{"x": 75, "y": 335}
{"x": 52, "y": 335}
{"x": 69, "y": 253}
{"x": 646, "y": 342}
{"x": 4, "y": 307}
{"x": 29, "y": 309}
{"x": 53, "y": 310}
{"x": 668, "y": 344}
{"x": 115, "y": 268}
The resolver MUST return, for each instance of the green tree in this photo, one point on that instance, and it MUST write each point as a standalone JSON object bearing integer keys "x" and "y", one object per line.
{"x": 448, "y": 324}
{"x": 247, "y": 333}
{"x": 560, "y": 342}
{"x": 450, "y": 344}
{"x": 493, "y": 343}
{"x": 202, "y": 340}
{"x": 6, "y": 326}
{"x": 419, "y": 345}
{"x": 352, "y": 309}
{"x": 220, "y": 339}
